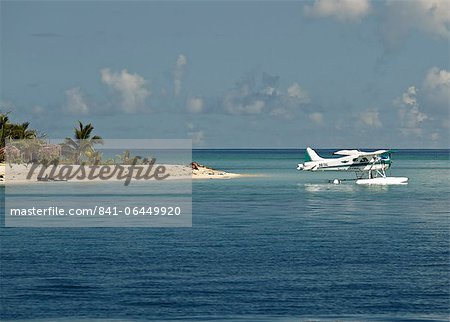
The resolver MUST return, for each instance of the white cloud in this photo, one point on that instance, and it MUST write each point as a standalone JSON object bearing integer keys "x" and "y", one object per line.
{"x": 254, "y": 107}
{"x": 409, "y": 113}
{"x": 244, "y": 98}
{"x": 371, "y": 118}
{"x": 289, "y": 101}
{"x": 437, "y": 86}
{"x": 270, "y": 91}
{"x": 270, "y": 84}
{"x": 131, "y": 88}
{"x": 299, "y": 93}
{"x": 239, "y": 107}
{"x": 342, "y": 10}
{"x": 194, "y": 104}
{"x": 316, "y": 117}
{"x": 400, "y": 17}
{"x": 178, "y": 73}
{"x": 75, "y": 102}
{"x": 197, "y": 136}
{"x": 253, "y": 95}
{"x": 409, "y": 97}
{"x": 429, "y": 16}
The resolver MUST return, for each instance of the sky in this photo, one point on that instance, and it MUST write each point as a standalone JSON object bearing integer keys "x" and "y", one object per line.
{"x": 232, "y": 74}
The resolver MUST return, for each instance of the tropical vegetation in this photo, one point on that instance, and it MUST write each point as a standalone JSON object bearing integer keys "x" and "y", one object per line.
{"x": 80, "y": 148}
{"x": 30, "y": 146}
{"x": 13, "y": 131}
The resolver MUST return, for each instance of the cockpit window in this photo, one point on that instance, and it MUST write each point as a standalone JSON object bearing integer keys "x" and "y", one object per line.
{"x": 364, "y": 160}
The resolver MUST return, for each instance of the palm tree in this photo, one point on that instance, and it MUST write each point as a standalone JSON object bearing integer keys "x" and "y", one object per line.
{"x": 14, "y": 131}
{"x": 5, "y": 127}
{"x": 4, "y": 132}
{"x": 82, "y": 144}
{"x": 22, "y": 132}
{"x": 27, "y": 138}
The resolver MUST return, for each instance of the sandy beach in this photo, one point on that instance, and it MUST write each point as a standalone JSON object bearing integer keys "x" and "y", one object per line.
{"x": 25, "y": 174}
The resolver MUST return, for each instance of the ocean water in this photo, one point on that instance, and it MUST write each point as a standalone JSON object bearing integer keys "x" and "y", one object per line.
{"x": 283, "y": 245}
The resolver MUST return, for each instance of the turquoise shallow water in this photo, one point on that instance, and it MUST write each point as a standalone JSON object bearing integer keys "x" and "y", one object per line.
{"x": 284, "y": 245}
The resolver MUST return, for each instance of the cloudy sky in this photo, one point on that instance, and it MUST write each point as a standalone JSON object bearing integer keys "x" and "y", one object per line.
{"x": 343, "y": 73}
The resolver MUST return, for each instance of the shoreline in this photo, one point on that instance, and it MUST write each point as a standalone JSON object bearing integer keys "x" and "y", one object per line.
{"x": 175, "y": 172}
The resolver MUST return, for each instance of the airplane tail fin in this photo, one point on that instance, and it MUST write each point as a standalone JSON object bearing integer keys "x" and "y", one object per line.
{"x": 311, "y": 155}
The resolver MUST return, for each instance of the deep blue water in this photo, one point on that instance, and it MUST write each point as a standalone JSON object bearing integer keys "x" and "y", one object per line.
{"x": 284, "y": 245}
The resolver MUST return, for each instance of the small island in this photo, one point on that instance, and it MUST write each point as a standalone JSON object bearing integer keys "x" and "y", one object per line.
{"x": 33, "y": 159}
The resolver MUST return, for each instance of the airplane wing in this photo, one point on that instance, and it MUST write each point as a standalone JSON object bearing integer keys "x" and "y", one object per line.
{"x": 377, "y": 152}
{"x": 357, "y": 153}
{"x": 347, "y": 152}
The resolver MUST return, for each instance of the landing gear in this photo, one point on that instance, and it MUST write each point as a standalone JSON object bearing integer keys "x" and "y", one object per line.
{"x": 377, "y": 174}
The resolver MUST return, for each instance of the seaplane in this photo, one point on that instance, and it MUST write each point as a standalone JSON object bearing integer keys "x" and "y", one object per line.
{"x": 369, "y": 167}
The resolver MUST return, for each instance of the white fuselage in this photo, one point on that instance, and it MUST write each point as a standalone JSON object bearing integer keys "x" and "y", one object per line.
{"x": 346, "y": 163}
